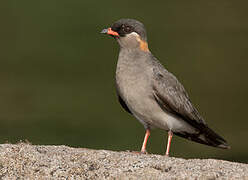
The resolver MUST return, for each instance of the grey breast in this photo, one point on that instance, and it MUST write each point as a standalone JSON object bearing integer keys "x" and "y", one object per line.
{"x": 134, "y": 84}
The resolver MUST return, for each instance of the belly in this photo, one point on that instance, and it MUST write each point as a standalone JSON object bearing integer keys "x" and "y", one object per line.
{"x": 145, "y": 108}
{"x": 136, "y": 91}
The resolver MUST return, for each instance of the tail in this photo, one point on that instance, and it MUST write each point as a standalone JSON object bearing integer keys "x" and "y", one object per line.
{"x": 206, "y": 136}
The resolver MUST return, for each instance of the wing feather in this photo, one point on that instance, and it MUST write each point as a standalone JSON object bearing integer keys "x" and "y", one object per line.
{"x": 171, "y": 95}
{"x": 121, "y": 101}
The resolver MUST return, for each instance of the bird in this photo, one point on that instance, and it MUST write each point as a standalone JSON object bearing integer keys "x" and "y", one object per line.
{"x": 151, "y": 93}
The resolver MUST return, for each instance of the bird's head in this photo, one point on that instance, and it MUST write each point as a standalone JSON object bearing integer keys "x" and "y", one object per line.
{"x": 129, "y": 33}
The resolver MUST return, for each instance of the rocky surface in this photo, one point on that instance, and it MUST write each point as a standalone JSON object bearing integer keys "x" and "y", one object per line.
{"x": 25, "y": 161}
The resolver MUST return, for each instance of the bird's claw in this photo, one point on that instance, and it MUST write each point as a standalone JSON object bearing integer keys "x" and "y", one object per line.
{"x": 138, "y": 152}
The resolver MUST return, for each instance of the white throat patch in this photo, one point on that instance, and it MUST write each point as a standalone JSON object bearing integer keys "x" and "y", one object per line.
{"x": 133, "y": 34}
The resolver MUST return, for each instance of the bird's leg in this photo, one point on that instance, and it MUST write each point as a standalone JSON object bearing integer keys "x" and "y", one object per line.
{"x": 143, "y": 149}
{"x": 170, "y": 134}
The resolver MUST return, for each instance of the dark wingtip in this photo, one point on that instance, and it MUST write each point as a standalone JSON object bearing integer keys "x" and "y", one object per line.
{"x": 224, "y": 146}
{"x": 207, "y": 137}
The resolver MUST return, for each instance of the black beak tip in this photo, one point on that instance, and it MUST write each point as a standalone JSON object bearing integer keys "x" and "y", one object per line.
{"x": 104, "y": 31}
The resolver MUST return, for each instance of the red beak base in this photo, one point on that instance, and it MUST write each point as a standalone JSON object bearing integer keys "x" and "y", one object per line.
{"x": 111, "y": 32}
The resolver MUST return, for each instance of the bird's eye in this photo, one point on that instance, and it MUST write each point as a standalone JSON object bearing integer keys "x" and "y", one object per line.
{"x": 126, "y": 29}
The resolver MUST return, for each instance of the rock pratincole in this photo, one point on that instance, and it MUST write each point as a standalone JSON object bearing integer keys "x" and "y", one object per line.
{"x": 153, "y": 95}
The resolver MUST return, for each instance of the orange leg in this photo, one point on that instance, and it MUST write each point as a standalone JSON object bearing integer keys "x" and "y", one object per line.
{"x": 143, "y": 149}
{"x": 170, "y": 134}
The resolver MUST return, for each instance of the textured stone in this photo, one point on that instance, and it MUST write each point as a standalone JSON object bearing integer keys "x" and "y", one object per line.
{"x": 25, "y": 161}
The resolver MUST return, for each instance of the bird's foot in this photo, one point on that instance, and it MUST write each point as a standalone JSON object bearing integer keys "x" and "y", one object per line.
{"x": 138, "y": 152}
{"x": 143, "y": 152}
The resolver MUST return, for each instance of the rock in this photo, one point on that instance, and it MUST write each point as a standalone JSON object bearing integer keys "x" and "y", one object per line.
{"x": 26, "y": 161}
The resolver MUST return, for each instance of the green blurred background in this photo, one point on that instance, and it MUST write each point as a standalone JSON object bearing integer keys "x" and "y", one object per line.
{"x": 57, "y": 72}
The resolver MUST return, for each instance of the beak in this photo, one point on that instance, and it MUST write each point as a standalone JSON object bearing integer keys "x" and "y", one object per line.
{"x": 110, "y": 32}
